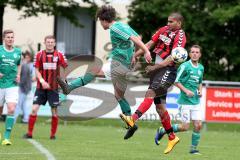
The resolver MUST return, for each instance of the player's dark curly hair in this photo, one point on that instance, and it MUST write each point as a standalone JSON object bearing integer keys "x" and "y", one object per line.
{"x": 107, "y": 13}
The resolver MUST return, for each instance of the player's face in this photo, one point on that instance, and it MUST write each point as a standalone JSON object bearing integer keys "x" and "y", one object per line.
{"x": 173, "y": 24}
{"x": 27, "y": 58}
{"x": 195, "y": 54}
{"x": 104, "y": 24}
{"x": 8, "y": 39}
{"x": 50, "y": 44}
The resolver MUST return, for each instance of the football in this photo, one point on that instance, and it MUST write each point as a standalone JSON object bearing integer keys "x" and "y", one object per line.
{"x": 179, "y": 55}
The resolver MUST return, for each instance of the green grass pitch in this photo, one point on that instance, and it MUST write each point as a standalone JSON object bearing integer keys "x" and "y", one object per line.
{"x": 103, "y": 140}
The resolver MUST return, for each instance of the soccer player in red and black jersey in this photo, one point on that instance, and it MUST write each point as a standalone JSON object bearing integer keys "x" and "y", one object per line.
{"x": 47, "y": 63}
{"x": 162, "y": 76}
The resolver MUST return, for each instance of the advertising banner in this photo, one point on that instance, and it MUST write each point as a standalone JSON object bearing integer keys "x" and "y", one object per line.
{"x": 222, "y": 104}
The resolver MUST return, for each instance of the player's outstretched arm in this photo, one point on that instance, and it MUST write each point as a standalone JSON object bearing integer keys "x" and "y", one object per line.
{"x": 142, "y": 46}
{"x": 162, "y": 64}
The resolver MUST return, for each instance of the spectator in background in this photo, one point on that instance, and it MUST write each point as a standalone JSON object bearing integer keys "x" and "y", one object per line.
{"x": 25, "y": 86}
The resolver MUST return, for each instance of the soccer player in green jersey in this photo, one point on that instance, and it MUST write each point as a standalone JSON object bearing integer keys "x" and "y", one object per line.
{"x": 189, "y": 81}
{"x": 10, "y": 58}
{"x": 123, "y": 38}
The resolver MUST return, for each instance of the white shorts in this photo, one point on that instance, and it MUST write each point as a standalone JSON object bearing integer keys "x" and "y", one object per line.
{"x": 190, "y": 112}
{"x": 8, "y": 95}
{"x": 107, "y": 70}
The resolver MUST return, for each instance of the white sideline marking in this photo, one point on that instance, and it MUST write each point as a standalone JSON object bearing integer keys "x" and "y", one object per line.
{"x": 15, "y": 153}
{"x": 42, "y": 149}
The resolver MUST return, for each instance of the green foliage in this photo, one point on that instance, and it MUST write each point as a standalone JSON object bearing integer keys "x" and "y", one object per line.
{"x": 213, "y": 24}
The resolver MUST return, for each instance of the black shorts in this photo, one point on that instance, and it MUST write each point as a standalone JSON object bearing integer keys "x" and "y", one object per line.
{"x": 160, "y": 81}
{"x": 41, "y": 97}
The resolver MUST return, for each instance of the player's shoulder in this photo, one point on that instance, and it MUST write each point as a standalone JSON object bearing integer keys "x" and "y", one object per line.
{"x": 115, "y": 25}
{"x": 201, "y": 66}
{"x": 164, "y": 28}
{"x": 119, "y": 26}
{"x": 161, "y": 30}
{"x": 39, "y": 52}
{"x": 183, "y": 66}
{"x": 59, "y": 52}
{"x": 118, "y": 23}
{"x": 186, "y": 64}
{"x": 17, "y": 50}
{"x": 180, "y": 32}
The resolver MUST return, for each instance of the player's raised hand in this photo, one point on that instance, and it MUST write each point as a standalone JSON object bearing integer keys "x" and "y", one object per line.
{"x": 148, "y": 57}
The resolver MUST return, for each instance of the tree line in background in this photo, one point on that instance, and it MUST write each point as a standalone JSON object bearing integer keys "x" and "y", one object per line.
{"x": 213, "y": 24}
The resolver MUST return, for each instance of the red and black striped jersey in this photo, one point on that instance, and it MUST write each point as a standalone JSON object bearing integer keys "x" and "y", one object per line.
{"x": 166, "y": 40}
{"x": 48, "y": 65}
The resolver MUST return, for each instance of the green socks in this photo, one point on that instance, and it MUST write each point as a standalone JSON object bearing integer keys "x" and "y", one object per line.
{"x": 81, "y": 81}
{"x": 195, "y": 136}
{"x": 8, "y": 124}
{"x": 195, "y": 139}
{"x": 174, "y": 127}
{"x": 125, "y": 107}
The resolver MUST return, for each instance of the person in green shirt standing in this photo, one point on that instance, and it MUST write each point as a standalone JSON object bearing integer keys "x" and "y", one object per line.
{"x": 189, "y": 81}
{"x": 123, "y": 39}
{"x": 10, "y": 58}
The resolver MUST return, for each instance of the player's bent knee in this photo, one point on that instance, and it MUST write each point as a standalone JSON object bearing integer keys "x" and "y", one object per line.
{"x": 198, "y": 127}
{"x": 11, "y": 111}
{"x": 118, "y": 97}
{"x": 161, "y": 109}
{"x": 34, "y": 111}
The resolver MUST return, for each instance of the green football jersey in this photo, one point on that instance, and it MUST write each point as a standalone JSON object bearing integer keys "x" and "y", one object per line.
{"x": 123, "y": 47}
{"x": 9, "y": 61}
{"x": 190, "y": 77}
